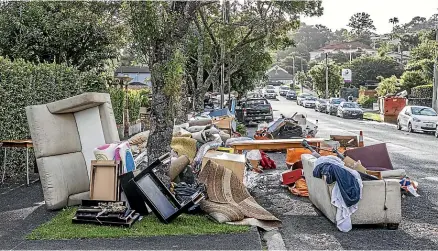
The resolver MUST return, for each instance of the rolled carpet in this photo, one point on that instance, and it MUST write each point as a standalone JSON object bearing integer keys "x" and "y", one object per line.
{"x": 184, "y": 146}
{"x": 229, "y": 201}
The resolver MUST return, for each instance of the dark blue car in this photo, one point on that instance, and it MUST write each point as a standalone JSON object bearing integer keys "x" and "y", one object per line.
{"x": 291, "y": 95}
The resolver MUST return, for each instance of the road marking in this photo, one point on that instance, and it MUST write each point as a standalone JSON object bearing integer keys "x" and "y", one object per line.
{"x": 431, "y": 178}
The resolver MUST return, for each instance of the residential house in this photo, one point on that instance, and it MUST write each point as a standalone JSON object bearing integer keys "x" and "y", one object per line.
{"x": 347, "y": 47}
{"x": 402, "y": 58}
{"x": 278, "y": 74}
{"x": 141, "y": 76}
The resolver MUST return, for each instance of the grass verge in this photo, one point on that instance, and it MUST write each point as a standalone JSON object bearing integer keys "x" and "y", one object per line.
{"x": 61, "y": 227}
{"x": 372, "y": 116}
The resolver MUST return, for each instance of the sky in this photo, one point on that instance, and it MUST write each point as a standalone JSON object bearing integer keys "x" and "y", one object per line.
{"x": 337, "y": 13}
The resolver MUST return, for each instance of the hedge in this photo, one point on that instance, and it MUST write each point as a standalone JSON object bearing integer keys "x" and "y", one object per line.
{"x": 136, "y": 99}
{"x": 23, "y": 84}
{"x": 422, "y": 91}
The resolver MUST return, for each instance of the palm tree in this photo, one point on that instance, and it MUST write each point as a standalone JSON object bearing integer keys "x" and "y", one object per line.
{"x": 394, "y": 21}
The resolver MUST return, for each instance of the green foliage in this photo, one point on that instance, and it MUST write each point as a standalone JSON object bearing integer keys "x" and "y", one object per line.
{"x": 118, "y": 103}
{"x": 411, "y": 79}
{"x": 241, "y": 128}
{"x": 361, "y": 23}
{"x": 134, "y": 103}
{"x": 173, "y": 73}
{"x": 300, "y": 78}
{"x": 81, "y": 34}
{"x": 367, "y": 101}
{"x": 136, "y": 99}
{"x": 23, "y": 84}
{"x": 369, "y": 68}
{"x": 317, "y": 73}
{"x": 422, "y": 91}
{"x": 387, "y": 86}
{"x": 145, "y": 99}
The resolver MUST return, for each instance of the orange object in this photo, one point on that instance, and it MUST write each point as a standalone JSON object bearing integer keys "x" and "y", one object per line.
{"x": 294, "y": 155}
{"x": 300, "y": 188}
{"x": 392, "y": 106}
{"x": 361, "y": 144}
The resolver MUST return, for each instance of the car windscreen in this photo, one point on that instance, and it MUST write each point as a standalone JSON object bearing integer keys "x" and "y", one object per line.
{"x": 256, "y": 102}
{"x": 304, "y": 95}
{"x": 322, "y": 101}
{"x": 423, "y": 111}
{"x": 284, "y": 88}
{"x": 337, "y": 101}
{"x": 270, "y": 91}
{"x": 350, "y": 105}
{"x": 311, "y": 98}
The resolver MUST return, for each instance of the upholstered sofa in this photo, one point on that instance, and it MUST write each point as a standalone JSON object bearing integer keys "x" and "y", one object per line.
{"x": 64, "y": 134}
{"x": 380, "y": 203}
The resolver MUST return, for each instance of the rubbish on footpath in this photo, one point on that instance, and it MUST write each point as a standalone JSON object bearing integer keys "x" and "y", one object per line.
{"x": 300, "y": 188}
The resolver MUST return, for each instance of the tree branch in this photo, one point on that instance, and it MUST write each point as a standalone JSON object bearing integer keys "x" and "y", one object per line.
{"x": 210, "y": 32}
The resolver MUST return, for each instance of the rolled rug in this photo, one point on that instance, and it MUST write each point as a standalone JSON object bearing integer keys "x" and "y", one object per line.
{"x": 200, "y": 122}
{"x": 177, "y": 166}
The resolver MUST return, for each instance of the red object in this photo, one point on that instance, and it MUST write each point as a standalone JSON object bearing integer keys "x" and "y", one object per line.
{"x": 266, "y": 162}
{"x": 392, "y": 106}
{"x": 361, "y": 144}
{"x": 291, "y": 177}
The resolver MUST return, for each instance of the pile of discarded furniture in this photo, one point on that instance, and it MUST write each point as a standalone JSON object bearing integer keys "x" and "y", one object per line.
{"x": 296, "y": 126}
{"x": 81, "y": 161}
{"x": 348, "y": 182}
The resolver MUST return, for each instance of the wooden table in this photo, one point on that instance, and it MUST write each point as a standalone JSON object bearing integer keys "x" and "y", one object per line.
{"x": 276, "y": 144}
{"x": 27, "y": 143}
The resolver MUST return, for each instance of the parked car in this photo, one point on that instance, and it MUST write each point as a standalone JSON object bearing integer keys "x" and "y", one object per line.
{"x": 349, "y": 110}
{"x": 291, "y": 95}
{"x": 418, "y": 118}
{"x": 268, "y": 87}
{"x": 301, "y": 97}
{"x": 283, "y": 90}
{"x": 321, "y": 105}
{"x": 270, "y": 94}
{"x": 309, "y": 102}
{"x": 332, "y": 105}
{"x": 254, "y": 110}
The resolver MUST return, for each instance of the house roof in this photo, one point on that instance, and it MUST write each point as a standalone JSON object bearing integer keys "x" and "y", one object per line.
{"x": 132, "y": 69}
{"x": 278, "y": 73}
{"x": 346, "y": 46}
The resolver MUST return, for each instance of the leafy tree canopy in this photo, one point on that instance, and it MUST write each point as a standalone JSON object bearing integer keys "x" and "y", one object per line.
{"x": 368, "y": 68}
{"x": 82, "y": 34}
{"x": 318, "y": 76}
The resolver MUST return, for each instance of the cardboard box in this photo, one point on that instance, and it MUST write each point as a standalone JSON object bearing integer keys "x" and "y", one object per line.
{"x": 234, "y": 162}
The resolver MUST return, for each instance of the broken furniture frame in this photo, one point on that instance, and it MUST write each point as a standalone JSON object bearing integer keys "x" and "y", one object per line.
{"x": 278, "y": 144}
{"x": 156, "y": 195}
{"x": 104, "y": 182}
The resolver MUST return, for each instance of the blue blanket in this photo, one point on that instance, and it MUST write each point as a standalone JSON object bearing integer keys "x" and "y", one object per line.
{"x": 347, "y": 183}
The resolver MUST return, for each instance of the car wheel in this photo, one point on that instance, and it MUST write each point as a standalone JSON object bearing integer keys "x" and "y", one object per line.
{"x": 361, "y": 117}
{"x": 436, "y": 132}
{"x": 398, "y": 125}
{"x": 410, "y": 127}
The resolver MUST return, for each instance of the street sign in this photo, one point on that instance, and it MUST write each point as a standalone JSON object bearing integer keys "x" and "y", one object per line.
{"x": 346, "y": 75}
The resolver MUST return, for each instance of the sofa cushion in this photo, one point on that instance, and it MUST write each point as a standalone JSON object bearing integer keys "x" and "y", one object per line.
{"x": 52, "y": 134}
{"x": 76, "y": 199}
{"x": 78, "y": 103}
{"x": 90, "y": 133}
{"x": 62, "y": 176}
{"x": 108, "y": 122}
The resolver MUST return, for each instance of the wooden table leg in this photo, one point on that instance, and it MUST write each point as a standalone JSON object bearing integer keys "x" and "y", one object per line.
{"x": 4, "y": 167}
{"x": 27, "y": 166}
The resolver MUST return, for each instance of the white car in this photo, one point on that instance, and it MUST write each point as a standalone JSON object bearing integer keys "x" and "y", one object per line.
{"x": 302, "y": 97}
{"x": 309, "y": 102}
{"x": 418, "y": 118}
{"x": 270, "y": 94}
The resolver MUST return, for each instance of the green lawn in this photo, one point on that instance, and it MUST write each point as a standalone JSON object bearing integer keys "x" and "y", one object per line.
{"x": 372, "y": 116}
{"x": 61, "y": 227}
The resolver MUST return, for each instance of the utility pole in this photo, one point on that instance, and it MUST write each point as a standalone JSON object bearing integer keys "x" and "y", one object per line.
{"x": 293, "y": 70}
{"x": 350, "y": 52}
{"x": 301, "y": 62}
{"x": 435, "y": 76}
{"x": 222, "y": 61}
{"x": 326, "y": 77}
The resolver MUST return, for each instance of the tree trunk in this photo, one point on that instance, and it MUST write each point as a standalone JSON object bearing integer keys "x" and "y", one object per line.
{"x": 162, "y": 115}
{"x": 181, "y": 106}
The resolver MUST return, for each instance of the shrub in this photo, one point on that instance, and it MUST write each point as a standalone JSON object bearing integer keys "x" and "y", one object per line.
{"x": 422, "y": 91}
{"x": 366, "y": 101}
{"x": 241, "y": 128}
{"x": 134, "y": 102}
{"x": 23, "y": 84}
{"x": 118, "y": 103}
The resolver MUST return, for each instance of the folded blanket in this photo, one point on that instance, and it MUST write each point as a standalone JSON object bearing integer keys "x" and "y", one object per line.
{"x": 229, "y": 200}
{"x": 184, "y": 146}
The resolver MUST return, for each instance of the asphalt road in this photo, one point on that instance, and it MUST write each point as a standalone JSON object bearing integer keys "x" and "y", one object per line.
{"x": 305, "y": 228}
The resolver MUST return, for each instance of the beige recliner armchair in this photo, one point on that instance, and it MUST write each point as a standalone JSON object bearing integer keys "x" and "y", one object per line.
{"x": 64, "y": 135}
{"x": 380, "y": 203}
